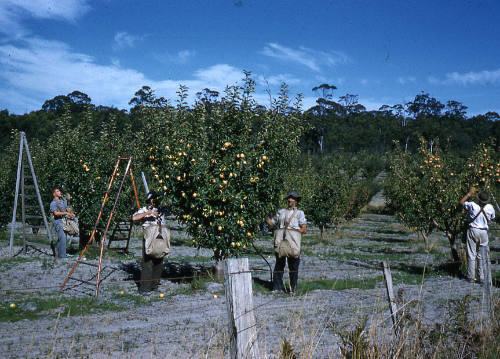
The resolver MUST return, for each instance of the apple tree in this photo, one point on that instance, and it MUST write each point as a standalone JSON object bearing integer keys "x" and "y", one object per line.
{"x": 221, "y": 164}
{"x": 424, "y": 188}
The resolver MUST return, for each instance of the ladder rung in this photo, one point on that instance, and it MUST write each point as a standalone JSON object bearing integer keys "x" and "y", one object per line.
{"x": 35, "y": 244}
{"x": 82, "y": 281}
{"x": 31, "y": 206}
{"x": 29, "y": 196}
{"x": 33, "y": 217}
{"x": 118, "y": 239}
{"x": 29, "y": 186}
{"x": 40, "y": 226}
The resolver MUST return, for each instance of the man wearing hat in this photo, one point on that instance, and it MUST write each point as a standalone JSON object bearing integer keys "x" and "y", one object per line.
{"x": 293, "y": 221}
{"x": 477, "y": 236}
{"x": 153, "y": 225}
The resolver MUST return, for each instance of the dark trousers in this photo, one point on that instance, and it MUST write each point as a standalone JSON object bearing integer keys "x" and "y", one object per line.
{"x": 279, "y": 269}
{"x": 151, "y": 272}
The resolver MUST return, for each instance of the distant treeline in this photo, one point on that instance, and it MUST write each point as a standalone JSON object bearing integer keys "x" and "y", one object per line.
{"x": 345, "y": 125}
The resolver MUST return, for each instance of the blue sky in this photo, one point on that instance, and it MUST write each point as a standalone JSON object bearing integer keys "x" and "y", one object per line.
{"x": 384, "y": 51}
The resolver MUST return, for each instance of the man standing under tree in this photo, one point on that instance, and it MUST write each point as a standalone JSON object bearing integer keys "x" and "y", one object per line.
{"x": 155, "y": 243}
{"x": 291, "y": 224}
{"x": 477, "y": 233}
{"x": 59, "y": 209}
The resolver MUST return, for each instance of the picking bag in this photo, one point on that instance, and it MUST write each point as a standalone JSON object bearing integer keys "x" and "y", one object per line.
{"x": 70, "y": 226}
{"x": 287, "y": 242}
{"x": 156, "y": 241}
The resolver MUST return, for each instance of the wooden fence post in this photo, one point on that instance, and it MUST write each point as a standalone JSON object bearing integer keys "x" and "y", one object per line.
{"x": 390, "y": 294}
{"x": 488, "y": 280}
{"x": 239, "y": 300}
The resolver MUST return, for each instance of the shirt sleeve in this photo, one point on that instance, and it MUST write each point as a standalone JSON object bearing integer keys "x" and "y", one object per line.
{"x": 53, "y": 207}
{"x": 468, "y": 206}
{"x": 274, "y": 219}
{"x": 141, "y": 210}
{"x": 301, "y": 218}
{"x": 490, "y": 212}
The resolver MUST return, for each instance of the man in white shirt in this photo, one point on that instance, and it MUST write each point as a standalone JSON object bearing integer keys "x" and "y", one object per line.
{"x": 477, "y": 234}
{"x": 294, "y": 219}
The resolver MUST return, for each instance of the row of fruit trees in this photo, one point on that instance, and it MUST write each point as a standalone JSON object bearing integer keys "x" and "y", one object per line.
{"x": 222, "y": 165}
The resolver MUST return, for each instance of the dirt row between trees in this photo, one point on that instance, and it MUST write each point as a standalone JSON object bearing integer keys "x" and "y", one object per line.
{"x": 340, "y": 283}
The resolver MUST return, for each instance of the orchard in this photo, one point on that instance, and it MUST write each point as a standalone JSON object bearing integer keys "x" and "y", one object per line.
{"x": 424, "y": 188}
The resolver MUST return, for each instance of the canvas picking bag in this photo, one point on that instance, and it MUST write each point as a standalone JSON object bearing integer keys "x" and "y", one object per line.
{"x": 70, "y": 226}
{"x": 157, "y": 241}
{"x": 287, "y": 242}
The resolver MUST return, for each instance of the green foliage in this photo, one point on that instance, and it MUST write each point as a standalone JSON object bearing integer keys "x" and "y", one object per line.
{"x": 80, "y": 161}
{"x": 332, "y": 188}
{"x": 424, "y": 188}
{"x": 35, "y": 308}
{"x": 221, "y": 164}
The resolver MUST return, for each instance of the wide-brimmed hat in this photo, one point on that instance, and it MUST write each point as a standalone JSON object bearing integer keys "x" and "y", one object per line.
{"x": 483, "y": 196}
{"x": 151, "y": 195}
{"x": 293, "y": 194}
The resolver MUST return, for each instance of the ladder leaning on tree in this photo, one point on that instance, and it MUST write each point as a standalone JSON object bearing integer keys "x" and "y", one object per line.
{"x": 26, "y": 183}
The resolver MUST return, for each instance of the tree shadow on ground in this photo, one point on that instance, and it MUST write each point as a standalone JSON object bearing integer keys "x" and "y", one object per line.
{"x": 172, "y": 271}
{"x": 264, "y": 283}
{"x": 449, "y": 268}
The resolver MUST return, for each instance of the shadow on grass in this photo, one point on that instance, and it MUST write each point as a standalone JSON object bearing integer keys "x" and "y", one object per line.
{"x": 172, "y": 271}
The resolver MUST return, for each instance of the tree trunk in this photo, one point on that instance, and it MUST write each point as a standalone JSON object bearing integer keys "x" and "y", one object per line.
{"x": 454, "y": 251}
{"x": 425, "y": 237}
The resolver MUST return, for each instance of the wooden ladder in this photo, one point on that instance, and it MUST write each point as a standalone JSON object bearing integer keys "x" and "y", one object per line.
{"x": 97, "y": 277}
{"x": 33, "y": 216}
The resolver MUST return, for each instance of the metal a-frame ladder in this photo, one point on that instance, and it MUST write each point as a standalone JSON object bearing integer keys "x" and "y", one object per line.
{"x": 26, "y": 173}
{"x": 97, "y": 276}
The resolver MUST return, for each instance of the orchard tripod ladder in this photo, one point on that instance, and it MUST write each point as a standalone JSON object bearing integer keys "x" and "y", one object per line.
{"x": 27, "y": 194}
{"x": 103, "y": 238}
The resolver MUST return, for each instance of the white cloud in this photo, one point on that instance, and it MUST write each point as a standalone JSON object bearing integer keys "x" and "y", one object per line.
{"x": 313, "y": 59}
{"x": 12, "y": 12}
{"x": 181, "y": 57}
{"x": 484, "y": 77}
{"x": 219, "y": 75}
{"x": 41, "y": 69}
{"x": 123, "y": 39}
{"x": 277, "y": 80}
{"x": 403, "y": 80}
